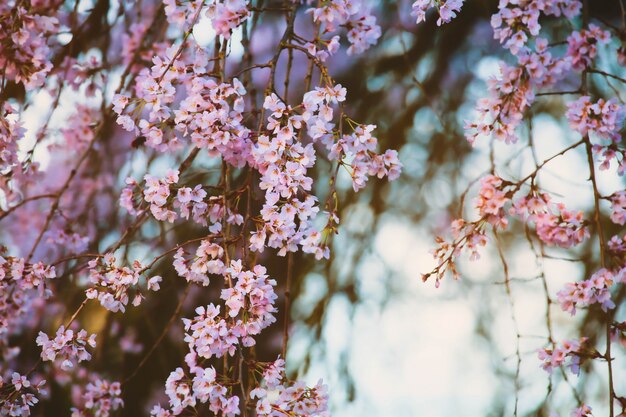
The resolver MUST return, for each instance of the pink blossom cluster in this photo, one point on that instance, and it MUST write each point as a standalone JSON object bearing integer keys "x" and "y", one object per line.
{"x": 207, "y": 261}
{"x": 554, "y": 224}
{"x": 249, "y": 303}
{"x": 84, "y": 72}
{"x": 18, "y": 394}
{"x": 542, "y": 68}
{"x": 283, "y": 161}
{"x": 491, "y": 200}
{"x": 603, "y": 118}
{"x": 11, "y": 131}
{"x": 501, "y": 113}
{"x": 617, "y": 248}
{"x": 225, "y": 15}
{"x": 352, "y": 15}
{"x": 67, "y": 345}
{"x": 22, "y": 285}
{"x": 357, "y": 149}
{"x": 100, "y": 399}
{"x": 323, "y": 49}
{"x": 582, "y": 46}
{"x": 608, "y": 153}
{"x": 618, "y": 207}
{"x": 568, "y": 353}
{"x": 189, "y": 391}
{"x": 25, "y": 37}
{"x": 131, "y": 42}
{"x": 210, "y": 116}
{"x": 78, "y": 132}
{"x": 582, "y": 411}
{"x": 112, "y": 285}
{"x": 595, "y": 290}
{"x": 447, "y": 9}
{"x": 185, "y": 203}
{"x": 518, "y": 20}
{"x": 467, "y": 237}
{"x": 276, "y": 397}
{"x": 513, "y": 92}
{"x": 157, "y": 191}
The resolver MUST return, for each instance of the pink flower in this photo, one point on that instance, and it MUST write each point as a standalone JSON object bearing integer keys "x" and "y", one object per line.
{"x": 582, "y": 46}
{"x": 582, "y": 411}
{"x": 602, "y": 118}
{"x": 566, "y": 354}
{"x": 67, "y": 345}
{"x": 447, "y": 9}
{"x": 582, "y": 294}
{"x": 618, "y": 207}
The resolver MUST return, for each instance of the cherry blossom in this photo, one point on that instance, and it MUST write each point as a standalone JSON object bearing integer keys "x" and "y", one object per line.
{"x": 113, "y": 286}
{"x": 25, "y": 39}
{"x": 602, "y": 118}
{"x": 249, "y": 305}
{"x": 363, "y": 31}
{"x": 99, "y": 398}
{"x": 19, "y": 394}
{"x": 569, "y": 353}
{"x": 447, "y": 9}
{"x": 594, "y": 290}
{"x": 296, "y": 399}
{"x": 582, "y": 411}
{"x": 582, "y": 45}
{"x": 517, "y": 21}
{"x": 69, "y": 346}
{"x": 618, "y": 207}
